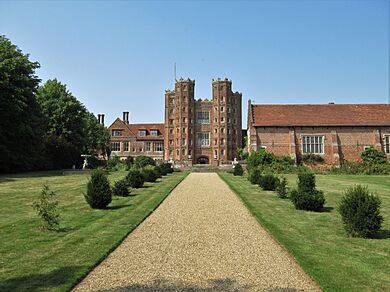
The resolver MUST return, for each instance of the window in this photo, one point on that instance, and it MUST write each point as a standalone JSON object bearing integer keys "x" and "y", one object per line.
{"x": 222, "y": 141}
{"x": 222, "y": 98}
{"x": 177, "y": 152}
{"x": 142, "y": 133}
{"x": 203, "y": 118}
{"x": 222, "y": 120}
{"x": 387, "y": 144}
{"x": 313, "y": 144}
{"x": 203, "y": 139}
{"x": 228, "y": 109}
{"x": 147, "y": 146}
{"x": 158, "y": 146}
{"x": 216, "y": 120}
{"x": 183, "y": 142}
{"x": 222, "y": 130}
{"x": 171, "y": 122}
{"x": 184, "y": 120}
{"x": 215, "y": 130}
{"x": 222, "y": 109}
{"x": 154, "y": 132}
{"x": 141, "y": 149}
{"x": 170, "y": 131}
{"x": 190, "y": 142}
{"x": 116, "y": 133}
{"x": 215, "y": 153}
{"x": 189, "y": 153}
{"x": 190, "y": 130}
{"x": 171, "y": 142}
{"x": 184, "y": 130}
{"x": 216, "y": 142}
{"x": 229, "y": 120}
{"x": 183, "y": 152}
{"x": 177, "y": 130}
{"x": 115, "y": 146}
{"x": 229, "y": 131}
{"x": 177, "y": 142}
{"x": 126, "y": 146}
{"x": 222, "y": 152}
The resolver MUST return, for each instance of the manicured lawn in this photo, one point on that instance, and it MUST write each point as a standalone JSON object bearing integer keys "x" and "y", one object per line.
{"x": 318, "y": 240}
{"x": 32, "y": 260}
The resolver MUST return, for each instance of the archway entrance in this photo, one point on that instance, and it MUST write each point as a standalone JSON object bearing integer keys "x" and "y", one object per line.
{"x": 203, "y": 160}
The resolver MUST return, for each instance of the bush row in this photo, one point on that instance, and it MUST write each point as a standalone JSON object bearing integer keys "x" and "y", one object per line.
{"x": 99, "y": 193}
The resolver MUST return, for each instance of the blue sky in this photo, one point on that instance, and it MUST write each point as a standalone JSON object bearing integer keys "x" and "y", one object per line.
{"x": 119, "y": 56}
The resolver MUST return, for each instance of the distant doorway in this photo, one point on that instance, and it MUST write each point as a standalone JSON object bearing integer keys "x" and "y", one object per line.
{"x": 203, "y": 160}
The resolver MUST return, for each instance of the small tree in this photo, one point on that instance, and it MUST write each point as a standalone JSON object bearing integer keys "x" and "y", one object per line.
{"x": 47, "y": 208}
{"x": 238, "y": 170}
{"x": 134, "y": 178}
{"x": 360, "y": 212}
{"x": 98, "y": 194}
{"x": 260, "y": 157}
{"x": 281, "y": 189}
{"x": 120, "y": 188}
{"x": 306, "y": 197}
{"x": 372, "y": 155}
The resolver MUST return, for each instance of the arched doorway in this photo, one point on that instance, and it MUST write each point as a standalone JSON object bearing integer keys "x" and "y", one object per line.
{"x": 203, "y": 160}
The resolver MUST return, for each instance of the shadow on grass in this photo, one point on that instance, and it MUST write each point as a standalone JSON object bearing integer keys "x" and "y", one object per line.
{"x": 382, "y": 234}
{"x": 116, "y": 207}
{"x": 39, "y": 282}
{"x": 11, "y": 177}
{"x": 327, "y": 209}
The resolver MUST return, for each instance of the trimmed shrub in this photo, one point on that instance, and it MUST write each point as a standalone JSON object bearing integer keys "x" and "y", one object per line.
{"x": 142, "y": 161}
{"x": 254, "y": 176}
{"x": 238, "y": 170}
{"x": 149, "y": 173}
{"x": 306, "y": 197}
{"x": 372, "y": 155}
{"x": 164, "y": 168}
{"x": 268, "y": 182}
{"x": 47, "y": 209}
{"x": 282, "y": 189}
{"x": 120, "y": 188}
{"x": 98, "y": 194}
{"x": 135, "y": 179}
{"x": 360, "y": 212}
{"x": 313, "y": 201}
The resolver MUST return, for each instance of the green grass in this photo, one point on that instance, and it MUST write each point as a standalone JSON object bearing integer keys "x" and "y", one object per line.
{"x": 318, "y": 240}
{"x": 33, "y": 260}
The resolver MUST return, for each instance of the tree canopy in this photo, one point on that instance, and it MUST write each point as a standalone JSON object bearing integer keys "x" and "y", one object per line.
{"x": 21, "y": 119}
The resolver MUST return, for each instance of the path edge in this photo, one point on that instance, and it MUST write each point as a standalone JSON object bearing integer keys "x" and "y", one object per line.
{"x": 120, "y": 241}
{"x": 270, "y": 234}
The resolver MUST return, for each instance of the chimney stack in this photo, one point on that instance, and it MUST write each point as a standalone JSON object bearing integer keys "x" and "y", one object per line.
{"x": 98, "y": 117}
{"x": 102, "y": 119}
{"x": 126, "y": 117}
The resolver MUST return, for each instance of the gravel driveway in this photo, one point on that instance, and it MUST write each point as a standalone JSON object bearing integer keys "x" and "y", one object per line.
{"x": 201, "y": 238}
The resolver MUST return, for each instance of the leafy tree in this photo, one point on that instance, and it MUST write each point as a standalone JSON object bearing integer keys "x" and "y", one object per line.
{"x": 260, "y": 157}
{"x": 97, "y": 136}
{"x": 47, "y": 209}
{"x": 21, "y": 118}
{"x": 99, "y": 193}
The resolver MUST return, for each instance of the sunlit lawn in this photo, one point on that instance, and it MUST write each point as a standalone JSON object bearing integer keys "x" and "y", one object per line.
{"x": 318, "y": 240}
{"x": 33, "y": 260}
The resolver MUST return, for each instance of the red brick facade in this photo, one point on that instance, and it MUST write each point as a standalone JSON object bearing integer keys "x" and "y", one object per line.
{"x": 336, "y": 132}
{"x": 202, "y": 131}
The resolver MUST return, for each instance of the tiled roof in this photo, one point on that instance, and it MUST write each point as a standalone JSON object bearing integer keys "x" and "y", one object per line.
{"x": 135, "y": 128}
{"x": 321, "y": 115}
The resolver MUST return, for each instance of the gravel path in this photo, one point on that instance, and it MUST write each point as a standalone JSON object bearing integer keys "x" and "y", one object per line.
{"x": 201, "y": 238}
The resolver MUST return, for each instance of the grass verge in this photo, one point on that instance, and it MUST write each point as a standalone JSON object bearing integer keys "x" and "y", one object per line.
{"x": 33, "y": 260}
{"x": 318, "y": 240}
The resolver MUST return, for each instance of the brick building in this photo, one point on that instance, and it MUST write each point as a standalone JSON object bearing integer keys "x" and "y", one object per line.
{"x": 136, "y": 139}
{"x": 337, "y": 132}
{"x": 202, "y": 131}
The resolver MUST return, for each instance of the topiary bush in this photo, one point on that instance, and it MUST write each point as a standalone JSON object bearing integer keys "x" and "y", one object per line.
{"x": 254, "y": 176}
{"x": 282, "y": 189}
{"x": 134, "y": 178}
{"x": 149, "y": 173}
{"x": 268, "y": 182}
{"x": 360, "y": 212}
{"x": 98, "y": 194}
{"x": 164, "y": 168}
{"x": 120, "y": 188}
{"x": 142, "y": 161}
{"x": 238, "y": 170}
{"x": 307, "y": 197}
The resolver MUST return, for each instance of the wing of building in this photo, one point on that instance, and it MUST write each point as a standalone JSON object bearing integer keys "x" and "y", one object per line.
{"x": 335, "y": 131}
{"x": 136, "y": 139}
